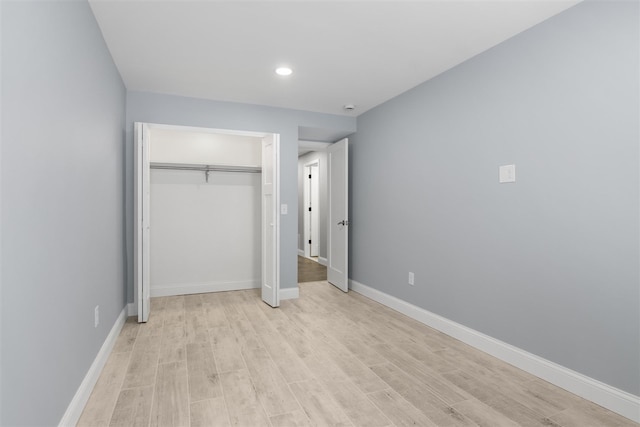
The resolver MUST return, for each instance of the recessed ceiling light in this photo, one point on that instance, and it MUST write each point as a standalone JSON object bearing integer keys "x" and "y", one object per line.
{"x": 284, "y": 71}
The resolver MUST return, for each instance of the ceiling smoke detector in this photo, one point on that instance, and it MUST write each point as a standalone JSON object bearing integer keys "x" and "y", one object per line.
{"x": 349, "y": 107}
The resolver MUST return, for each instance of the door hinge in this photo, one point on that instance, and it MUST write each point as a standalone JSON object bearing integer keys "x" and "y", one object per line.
{"x": 309, "y": 208}
{"x": 309, "y": 176}
{"x": 309, "y": 241}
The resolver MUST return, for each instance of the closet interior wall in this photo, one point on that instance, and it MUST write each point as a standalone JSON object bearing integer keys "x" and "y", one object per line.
{"x": 205, "y": 233}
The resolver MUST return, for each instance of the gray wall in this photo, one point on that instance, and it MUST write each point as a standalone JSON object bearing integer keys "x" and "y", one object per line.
{"x": 175, "y": 110}
{"x": 322, "y": 218}
{"x": 550, "y": 263}
{"x": 63, "y": 112}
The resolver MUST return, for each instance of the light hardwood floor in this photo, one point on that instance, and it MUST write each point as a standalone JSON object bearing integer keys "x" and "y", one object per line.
{"x": 310, "y": 270}
{"x": 327, "y": 358}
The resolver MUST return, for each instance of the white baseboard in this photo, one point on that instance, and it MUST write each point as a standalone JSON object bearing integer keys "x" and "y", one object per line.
{"x": 75, "y": 408}
{"x": 616, "y": 400}
{"x": 201, "y": 288}
{"x": 132, "y": 309}
{"x": 289, "y": 293}
{"x": 301, "y": 252}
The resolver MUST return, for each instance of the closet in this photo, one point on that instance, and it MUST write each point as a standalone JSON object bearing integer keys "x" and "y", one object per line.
{"x": 202, "y": 202}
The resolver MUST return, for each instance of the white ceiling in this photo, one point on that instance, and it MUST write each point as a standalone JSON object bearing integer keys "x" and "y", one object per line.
{"x": 342, "y": 52}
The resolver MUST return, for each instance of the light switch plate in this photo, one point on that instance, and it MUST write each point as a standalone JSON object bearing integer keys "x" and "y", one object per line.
{"x": 507, "y": 173}
{"x": 284, "y": 209}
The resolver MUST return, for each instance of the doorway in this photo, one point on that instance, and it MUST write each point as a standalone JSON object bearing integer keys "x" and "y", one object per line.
{"x": 312, "y": 215}
{"x": 323, "y": 172}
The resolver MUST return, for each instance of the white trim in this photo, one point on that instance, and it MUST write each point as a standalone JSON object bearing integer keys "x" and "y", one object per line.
{"x": 132, "y": 309}
{"x": 201, "y": 288}
{"x": 181, "y": 128}
{"x": 289, "y": 293}
{"x": 75, "y": 408}
{"x": 616, "y": 400}
{"x": 301, "y": 252}
{"x": 322, "y": 261}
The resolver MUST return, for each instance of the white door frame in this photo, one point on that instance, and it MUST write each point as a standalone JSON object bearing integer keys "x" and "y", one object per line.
{"x": 142, "y": 204}
{"x": 141, "y": 254}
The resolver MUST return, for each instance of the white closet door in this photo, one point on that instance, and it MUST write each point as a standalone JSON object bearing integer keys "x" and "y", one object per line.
{"x": 270, "y": 221}
{"x": 141, "y": 252}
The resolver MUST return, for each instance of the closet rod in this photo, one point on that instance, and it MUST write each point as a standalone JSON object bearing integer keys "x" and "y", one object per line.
{"x": 206, "y": 168}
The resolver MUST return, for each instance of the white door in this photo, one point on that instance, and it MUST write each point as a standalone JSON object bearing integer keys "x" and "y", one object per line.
{"x": 141, "y": 263}
{"x": 338, "y": 194}
{"x": 312, "y": 210}
{"x": 315, "y": 210}
{"x": 270, "y": 221}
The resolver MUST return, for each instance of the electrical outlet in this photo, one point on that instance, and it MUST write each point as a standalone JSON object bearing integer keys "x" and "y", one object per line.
{"x": 96, "y": 316}
{"x": 411, "y": 278}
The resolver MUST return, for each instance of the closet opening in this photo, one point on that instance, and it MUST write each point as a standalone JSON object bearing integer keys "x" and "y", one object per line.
{"x": 206, "y": 218}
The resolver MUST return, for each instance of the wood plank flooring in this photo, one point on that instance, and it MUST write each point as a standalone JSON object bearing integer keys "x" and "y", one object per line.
{"x": 310, "y": 270}
{"x": 325, "y": 359}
